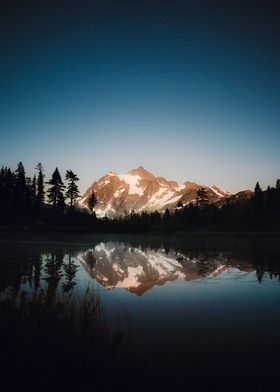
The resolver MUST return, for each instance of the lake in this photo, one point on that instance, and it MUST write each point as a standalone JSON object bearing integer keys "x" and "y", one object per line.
{"x": 157, "y": 312}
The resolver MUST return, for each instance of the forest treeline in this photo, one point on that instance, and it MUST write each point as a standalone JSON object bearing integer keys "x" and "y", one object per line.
{"x": 35, "y": 202}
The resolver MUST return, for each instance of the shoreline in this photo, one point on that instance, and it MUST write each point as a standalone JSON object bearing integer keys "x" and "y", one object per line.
{"x": 24, "y": 235}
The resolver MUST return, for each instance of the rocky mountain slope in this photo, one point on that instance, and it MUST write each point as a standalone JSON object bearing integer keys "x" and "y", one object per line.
{"x": 139, "y": 190}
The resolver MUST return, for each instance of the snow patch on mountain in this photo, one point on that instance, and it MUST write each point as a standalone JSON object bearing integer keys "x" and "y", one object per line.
{"x": 179, "y": 188}
{"x": 219, "y": 192}
{"x": 161, "y": 198}
{"x": 133, "y": 182}
{"x": 119, "y": 192}
{"x": 157, "y": 196}
{"x": 101, "y": 213}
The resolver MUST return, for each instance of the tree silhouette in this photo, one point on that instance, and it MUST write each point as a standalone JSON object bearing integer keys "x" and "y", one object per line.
{"x": 91, "y": 201}
{"x": 258, "y": 189}
{"x": 21, "y": 191}
{"x": 70, "y": 270}
{"x": 55, "y": 192}
{"x": 33, "y": 189}
{"x": 202, "y": 197}
{"x": 53, "y": 273}
{"x": 258, "y": 199}
{"x": 40, "y": 196}
{"x": 166, "y": 216}
{"x": 72, "y": 192}
{"x": 20, "y": 176}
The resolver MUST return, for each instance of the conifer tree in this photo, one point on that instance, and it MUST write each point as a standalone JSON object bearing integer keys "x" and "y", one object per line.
{"x": 166, "y": 216}
{"x": 20, "y": 175}
{"x": 258, "y": 189}
{"x": 70, "y": 270}
{"x": 72, "y": 192}
{"x": 60, "y": 201}
{"x": 91, "y": 202}
{"x": 258, "y": 199}
{"x": 55, "y": 192}
{"x": 28, "y": 190}
{"x": 9, "y": 185}
{"x": 202, "y": 198}
{"x": 33, "y": 189}
{"x": 21, "y": 189}
{"x": 40, "y": 196}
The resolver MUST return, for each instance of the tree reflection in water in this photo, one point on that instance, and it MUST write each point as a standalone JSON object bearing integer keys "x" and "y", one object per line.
{"x": 49, "y": 324}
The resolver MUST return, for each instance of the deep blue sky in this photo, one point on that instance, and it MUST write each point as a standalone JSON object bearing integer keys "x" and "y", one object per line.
{"x": 188, "y": 89}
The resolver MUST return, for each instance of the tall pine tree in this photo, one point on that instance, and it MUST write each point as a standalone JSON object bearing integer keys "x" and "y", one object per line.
{"x": 33, "y": 188}
{"x": 72, "y": 192}
{"x": 22, "y": 195}
{"x": 55, "y": 192}
{"x": 40, "y": 195}
{"x": 258, "y": 199}
{"x": 91, "y": 202}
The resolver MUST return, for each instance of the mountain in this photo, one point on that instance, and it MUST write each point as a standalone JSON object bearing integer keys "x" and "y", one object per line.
{"x": 139, "y": 190}
{"x": 117, "y": 265}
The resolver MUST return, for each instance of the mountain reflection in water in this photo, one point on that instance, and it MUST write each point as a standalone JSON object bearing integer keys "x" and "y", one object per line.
{"x": 168, "y": 311}
{"x": 122, "y": 264}
{"x": 117, "y": 265}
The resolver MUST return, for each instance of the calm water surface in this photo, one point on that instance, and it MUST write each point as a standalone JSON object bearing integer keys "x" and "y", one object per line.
{"x": 187, "y": 309}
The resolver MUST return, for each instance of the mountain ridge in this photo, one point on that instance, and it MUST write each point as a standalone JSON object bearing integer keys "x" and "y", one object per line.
{"x": 139, "y": 190}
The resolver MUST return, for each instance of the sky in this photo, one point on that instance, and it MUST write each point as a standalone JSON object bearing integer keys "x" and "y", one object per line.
{"x": 187, "y": 89}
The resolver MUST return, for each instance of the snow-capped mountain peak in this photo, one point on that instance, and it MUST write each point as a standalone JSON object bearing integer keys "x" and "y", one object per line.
{"x": 139, "y": 190}
{"x": 141, "y": 172}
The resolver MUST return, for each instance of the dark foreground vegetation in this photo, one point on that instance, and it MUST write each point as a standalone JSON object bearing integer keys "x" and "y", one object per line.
{"x": 52, "y": 205}
{"x": 58, "y": 343}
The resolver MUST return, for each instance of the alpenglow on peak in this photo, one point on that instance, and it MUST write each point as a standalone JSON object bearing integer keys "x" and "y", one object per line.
{"x": 139, "y": 190}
